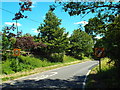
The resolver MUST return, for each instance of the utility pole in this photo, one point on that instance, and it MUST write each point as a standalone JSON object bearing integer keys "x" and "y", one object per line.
{"x": 17, "y": 28}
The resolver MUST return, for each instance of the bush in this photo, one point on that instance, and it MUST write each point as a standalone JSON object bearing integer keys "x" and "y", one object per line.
{"x": 56, "y": 57}
{"x": 6, "y": 69}
{"x": 23, "y": 63}
{"x": 68, "y": 59}
{"x": 34, "y": 62}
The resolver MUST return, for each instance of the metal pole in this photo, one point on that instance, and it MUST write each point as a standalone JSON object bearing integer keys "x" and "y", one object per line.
{"x": 99, "y": 65}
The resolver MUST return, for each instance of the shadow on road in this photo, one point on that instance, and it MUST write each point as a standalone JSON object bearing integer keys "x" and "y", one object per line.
{"x": 72, "y": 83}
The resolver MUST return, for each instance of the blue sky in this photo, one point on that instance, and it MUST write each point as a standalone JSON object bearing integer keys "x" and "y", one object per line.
{"x": 39, "y": 9}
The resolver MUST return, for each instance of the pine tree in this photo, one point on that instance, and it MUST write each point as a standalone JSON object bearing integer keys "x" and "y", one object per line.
{"x": 52, "y": 35}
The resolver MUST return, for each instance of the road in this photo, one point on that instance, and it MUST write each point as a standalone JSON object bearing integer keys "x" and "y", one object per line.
{"x": 72, "y": 76}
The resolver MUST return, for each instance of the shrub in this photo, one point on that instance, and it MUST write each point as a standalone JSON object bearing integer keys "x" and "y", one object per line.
{"x": 68, "y": 59}
{"x": 56, "y": 57}
{"x": 6, "y": 69}
{"x": 23, "y": 63}
{"x": 34, "y": 62}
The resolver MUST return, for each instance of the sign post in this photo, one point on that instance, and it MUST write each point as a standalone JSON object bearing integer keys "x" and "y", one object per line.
{"x": 16, "y": 52}
{"x": 99, "y": 53}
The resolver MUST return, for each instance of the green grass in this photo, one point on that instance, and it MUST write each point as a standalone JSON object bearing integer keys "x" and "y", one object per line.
{"x": 107, "y": 78}
{"x": 22, "y": 63}
{"x": 33, "y": 65}
{"x": 67, "y": 59}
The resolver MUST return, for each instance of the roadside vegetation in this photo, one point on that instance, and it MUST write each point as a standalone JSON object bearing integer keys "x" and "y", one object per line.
{"x": 107, "y": 78}
{"x": 52, "y": 46}
{"x": 25, "y": 63}
{"x": 30, "y": 65}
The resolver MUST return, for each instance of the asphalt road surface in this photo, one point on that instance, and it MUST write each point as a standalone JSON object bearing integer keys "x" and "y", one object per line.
{"x": 72, "y": 76}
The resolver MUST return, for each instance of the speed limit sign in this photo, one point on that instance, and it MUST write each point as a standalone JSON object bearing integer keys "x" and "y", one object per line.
{"x": 16, "y": 52}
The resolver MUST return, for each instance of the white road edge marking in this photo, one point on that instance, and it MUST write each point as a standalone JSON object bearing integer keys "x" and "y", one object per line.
{"x": 84, "y": 82}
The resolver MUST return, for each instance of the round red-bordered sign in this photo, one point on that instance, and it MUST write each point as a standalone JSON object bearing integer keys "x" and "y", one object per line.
{"x": 16, "y": 52}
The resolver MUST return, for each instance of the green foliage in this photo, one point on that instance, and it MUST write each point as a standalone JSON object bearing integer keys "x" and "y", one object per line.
{"x": 112, "y": 39}
{"x": 53, "y": 36}
{"x": 8, "y": 39}
{"x": 56, "y": 57}
{"x": 107, "y": 78}
{"x": 81, "y": 44}
{"x": 34, "y": 62}
{"x": 103, "y": 9}
{"x": 21, "y": 63}
{"x": 24, "y": 63}
{"x": 68, "y": 59}
{"x": 100, "y": 43}
{"x": 6, "y": 69}
{"x": 5, "y": 43}
{"x": 95, "y": 26}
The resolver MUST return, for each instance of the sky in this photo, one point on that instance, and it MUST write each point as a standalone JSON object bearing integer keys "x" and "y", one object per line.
{"x": 39, "y": 9}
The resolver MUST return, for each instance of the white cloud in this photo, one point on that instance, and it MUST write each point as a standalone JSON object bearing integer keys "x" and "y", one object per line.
{"x": 35, "y": 31}
{"x": 98, "y": 37}
{"x": 68, "y": 35}
{"x": 34, "y": 2}
{"x": 82, "y": 22}
{"x": 32, "y": 6}
{"x": 11, "y": 23}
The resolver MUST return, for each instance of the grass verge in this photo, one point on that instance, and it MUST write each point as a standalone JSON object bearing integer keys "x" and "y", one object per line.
{"x": 107, "y": 78}
{"x": 67, "y": 61}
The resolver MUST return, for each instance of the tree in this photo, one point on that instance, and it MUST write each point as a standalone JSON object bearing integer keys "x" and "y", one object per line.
{"x": 24, "y": 6}
{"x": 95, "y": 27}
{"x": 83, "y": 8}
{"x": 27, "y": 43}
{"x": 52, "y": 35}
{"x": 81, "y": 43}
{"x": 100, "y": 43}
{"x": 112, "y": 39}
{"x": 105, "y": 13}
{"x": 8, "y": 39}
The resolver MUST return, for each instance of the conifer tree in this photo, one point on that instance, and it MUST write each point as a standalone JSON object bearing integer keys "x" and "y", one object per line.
{"x": 53, "y": 35}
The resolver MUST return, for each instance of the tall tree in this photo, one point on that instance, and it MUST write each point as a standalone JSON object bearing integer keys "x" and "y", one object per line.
{"x": 52, "y": 35}
{"x": 112, "y": 39}
{"x": 81, "y": 43}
